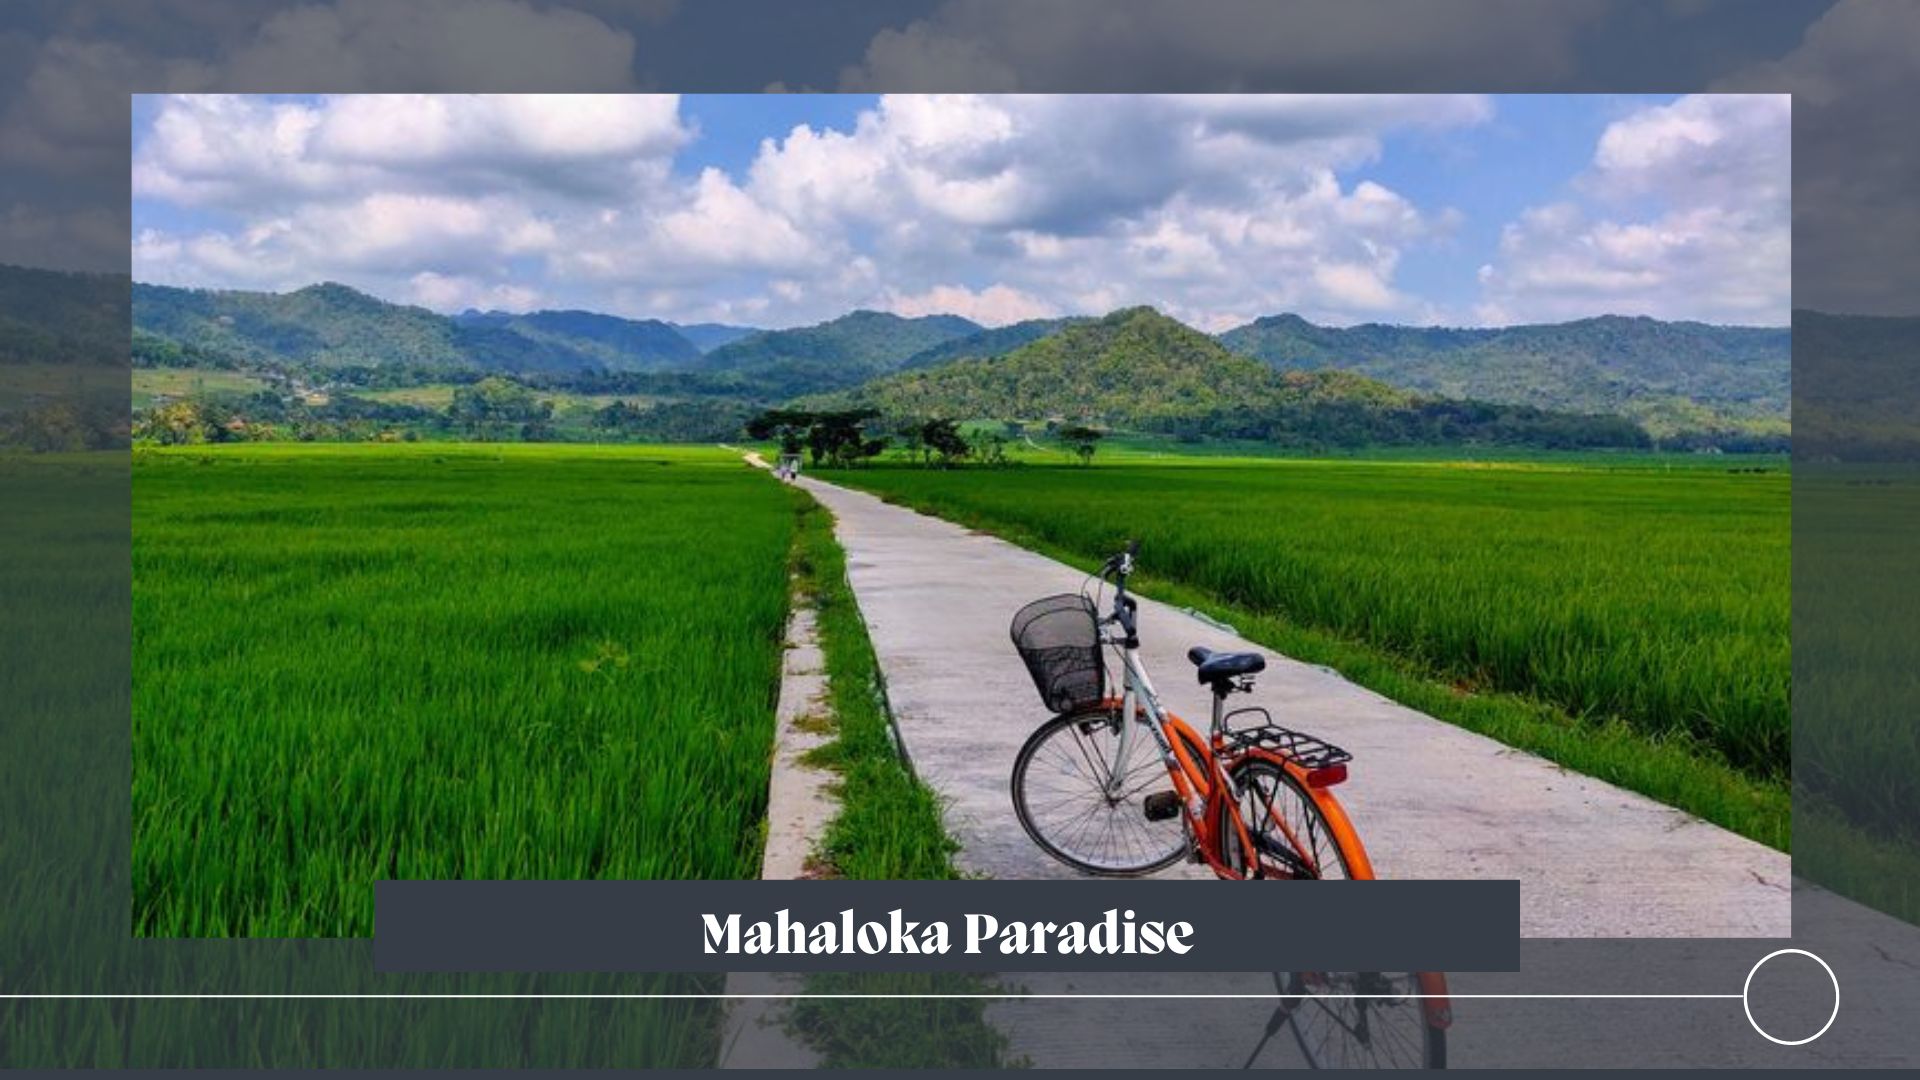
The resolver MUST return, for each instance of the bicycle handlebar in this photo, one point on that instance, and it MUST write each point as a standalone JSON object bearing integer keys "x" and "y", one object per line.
{"x": 1120, "y": 565}
{"x": 1118, "y": 568}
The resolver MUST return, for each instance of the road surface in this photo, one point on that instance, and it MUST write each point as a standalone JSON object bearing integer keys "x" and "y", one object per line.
{"x": 1431, "y": 800}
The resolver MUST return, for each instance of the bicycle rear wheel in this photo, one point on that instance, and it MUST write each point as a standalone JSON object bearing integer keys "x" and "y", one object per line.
{"x": 1291, "y": 836}
{"x": 1362, "y": 1020}
{"x": 1062, "y": 795}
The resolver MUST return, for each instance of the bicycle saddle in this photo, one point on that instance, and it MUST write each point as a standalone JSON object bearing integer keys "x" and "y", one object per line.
{"x": 1218, "y": 667}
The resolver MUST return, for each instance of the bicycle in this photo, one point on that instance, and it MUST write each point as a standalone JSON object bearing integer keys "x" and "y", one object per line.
{"x": 1250, "y": 800}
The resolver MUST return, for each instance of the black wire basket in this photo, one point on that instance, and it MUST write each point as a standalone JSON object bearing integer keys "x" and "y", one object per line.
{"x": 1059, "y": 639}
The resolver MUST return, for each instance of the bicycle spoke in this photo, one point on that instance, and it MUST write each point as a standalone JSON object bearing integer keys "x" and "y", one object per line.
{"x": 1336, "y": 1030}
{"x": 1088, "y": 802}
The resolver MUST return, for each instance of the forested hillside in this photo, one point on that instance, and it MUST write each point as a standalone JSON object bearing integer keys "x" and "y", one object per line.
{"x": 333, "y": 326}
{"x": 50, "y": 317}
{"x": 1141, "y": 370}
{"x": 1669, "y": 375}
{"x": 708, "y": 336}
{"x": 833, "y": 355}
{"x": 993, "y": 342}
{"x": 616, "y": 344}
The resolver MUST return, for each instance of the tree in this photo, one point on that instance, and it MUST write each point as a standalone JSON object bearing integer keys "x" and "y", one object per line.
{"x": 495, "y": 406}
{"x": 990, "y": 448}
{"x": 1081, "y": 440}
{"x": 176, "y": 423}
{"x": 788, "y": 426}
{"x": 942, "y": 437}
{"x": 834, "y": 437}
{"x": 840, "y": 438}
{"x": 615, "y": 417}
{"x": 910, "y": 443}
{"x": 52, "y": 428}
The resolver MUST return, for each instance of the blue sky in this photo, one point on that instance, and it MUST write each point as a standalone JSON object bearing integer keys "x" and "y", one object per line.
{"x": 1418, "y": 209}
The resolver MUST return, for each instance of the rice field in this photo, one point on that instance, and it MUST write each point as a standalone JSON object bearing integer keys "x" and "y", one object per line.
{"x": 1857, "y": 682}
{"x": 149, "y": 383}
{"x": 355, "y": 662}
{"x": 1639, "y": 596}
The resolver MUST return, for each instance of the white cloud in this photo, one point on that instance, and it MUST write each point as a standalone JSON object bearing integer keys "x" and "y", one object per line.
{"x": 1217, "y": 209}
{"x": 453, "y": 292}
{"x": 1690, "y": 220}
{"x": 1701, "y": 149}
{"x": 1004, "y": 208}
{"x": 1853, "y": 81}
{"x": 1104, "y": 45}
{"x": 225, "y": 150}
{"x": 70, "y": 116}
{"x": 1073, "y": 164}
{"x": 995, "y": 305}
{"x": 1202, "y": 203}
{"x": 378, "y": 44}
{"x": 422, "y": 130}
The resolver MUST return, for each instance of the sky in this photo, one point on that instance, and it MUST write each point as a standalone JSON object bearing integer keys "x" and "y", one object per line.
{"x": 779, "y": 210}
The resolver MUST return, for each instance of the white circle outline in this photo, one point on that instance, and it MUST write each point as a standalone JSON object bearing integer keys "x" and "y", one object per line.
{"x": 1747, "y": 1007}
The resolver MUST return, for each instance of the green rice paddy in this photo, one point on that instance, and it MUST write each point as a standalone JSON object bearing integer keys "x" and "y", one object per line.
{"x": 353, "y": 663}
{"x": 1633, "y": 597}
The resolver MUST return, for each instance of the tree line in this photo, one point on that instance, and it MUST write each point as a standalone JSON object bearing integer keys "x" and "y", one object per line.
{"x": 844, "y": 438}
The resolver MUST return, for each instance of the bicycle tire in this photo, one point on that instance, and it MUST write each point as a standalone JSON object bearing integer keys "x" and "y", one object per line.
{"x": 1431, "y": 1042}
{"x": 1157, "y": 844}
{"x": 1274, "y": 837}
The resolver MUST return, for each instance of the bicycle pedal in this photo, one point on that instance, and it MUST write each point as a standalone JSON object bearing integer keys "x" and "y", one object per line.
{"x": 1161, "y": 805}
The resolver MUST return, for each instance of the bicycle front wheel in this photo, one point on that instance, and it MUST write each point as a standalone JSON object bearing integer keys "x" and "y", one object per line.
{"x": 1087, "y": 808}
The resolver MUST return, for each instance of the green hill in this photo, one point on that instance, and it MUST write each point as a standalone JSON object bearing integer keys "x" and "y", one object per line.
{"x": 327, "y": 325}
{"x": 1669, "y": 375}
{"x": 833, "y": 355}
{"x": 50, "y": 317}
{"x": 1135, "y": 367}
{"x": 586, "y": 338}
{"x": 993, "y": 342}
{"x": 1859, "y": 382}
{"x": 333, "y": 326}
{"x": 1138, "y": 369}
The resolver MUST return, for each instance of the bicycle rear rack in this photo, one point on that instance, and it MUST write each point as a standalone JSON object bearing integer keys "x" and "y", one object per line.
{"x": 1310, "y": 753}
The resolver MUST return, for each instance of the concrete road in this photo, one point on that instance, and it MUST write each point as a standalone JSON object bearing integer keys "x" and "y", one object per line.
{"x": 1430, "y": 800}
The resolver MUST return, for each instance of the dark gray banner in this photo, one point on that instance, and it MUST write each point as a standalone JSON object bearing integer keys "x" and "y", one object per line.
{"x": 997, "y": 926}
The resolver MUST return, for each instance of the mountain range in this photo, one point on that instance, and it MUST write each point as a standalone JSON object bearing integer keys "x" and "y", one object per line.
{"x": 47, "y": 316}
{"x": 1665, "y": 375}
{"x": 1139, "y": 370}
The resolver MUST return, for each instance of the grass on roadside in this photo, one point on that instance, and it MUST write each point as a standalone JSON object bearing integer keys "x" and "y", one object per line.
{"x": 888, "y": 828}
{"x": 889, "y": 825}
{"x": 923, "y": 1028}
{"x": 1839, "y": 855}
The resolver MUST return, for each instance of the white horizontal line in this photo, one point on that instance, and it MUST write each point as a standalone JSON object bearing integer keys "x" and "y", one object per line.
{"x": 1009, "y": 996}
